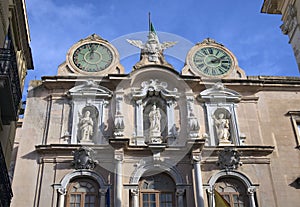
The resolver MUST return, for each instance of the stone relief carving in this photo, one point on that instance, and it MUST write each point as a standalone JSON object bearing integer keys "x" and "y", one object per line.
{"x": 86, "y": 126}
{"x": 154, "y": 117}
{"x": 222, "y": 128}
{"x": 193, "y": 124}
{"x": 151, "y": 92}
{"x": 154, "y": 87}
{"x": 119, "y": 118}
{"x": 290, "y": 23}
{"x": 151, "y": 50}
{"x": 83, "y": 158}
{"x": 229, "y": 159}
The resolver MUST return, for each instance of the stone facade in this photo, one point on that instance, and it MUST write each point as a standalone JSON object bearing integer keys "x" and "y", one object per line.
{"x": 15, "y": 59}
{"x": 159, "y": 136}
{"x": 289, "y": 9}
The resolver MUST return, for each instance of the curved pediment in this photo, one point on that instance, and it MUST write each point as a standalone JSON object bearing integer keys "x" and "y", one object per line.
{"x": 90, "y": 88}
{"x": 219, "y": 92}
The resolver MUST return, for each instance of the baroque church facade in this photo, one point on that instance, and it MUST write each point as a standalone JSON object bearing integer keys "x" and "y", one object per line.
{"x": 95, "y": 136}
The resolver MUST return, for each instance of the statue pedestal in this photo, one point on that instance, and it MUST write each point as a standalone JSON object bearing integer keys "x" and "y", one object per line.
{"x": 155, "y": 134}
{"x": 225, "y": 143}
{"x": 86, "y": 142}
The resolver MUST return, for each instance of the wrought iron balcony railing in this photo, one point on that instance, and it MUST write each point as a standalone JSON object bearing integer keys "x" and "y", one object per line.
{"x": 5, "y": 186}
{"x": 9, "y": 73}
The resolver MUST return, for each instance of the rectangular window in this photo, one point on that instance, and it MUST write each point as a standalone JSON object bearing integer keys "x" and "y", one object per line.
{"x": 295, "y": 118}
{"x": 157, "y": 199}
{"x": 165, "y": 200}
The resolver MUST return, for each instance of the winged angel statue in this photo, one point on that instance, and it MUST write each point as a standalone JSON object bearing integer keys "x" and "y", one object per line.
{"x": 153, "y": 49}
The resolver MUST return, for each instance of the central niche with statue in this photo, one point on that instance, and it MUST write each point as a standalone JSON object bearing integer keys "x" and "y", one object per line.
{"x": 154, "y": 107}
{"x": 87, "y": 125}
{"x": 155, "y": 120}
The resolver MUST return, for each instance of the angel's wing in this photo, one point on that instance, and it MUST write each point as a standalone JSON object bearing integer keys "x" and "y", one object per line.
{"x": 136, "y": 43}
{"x": 165, "y": 45}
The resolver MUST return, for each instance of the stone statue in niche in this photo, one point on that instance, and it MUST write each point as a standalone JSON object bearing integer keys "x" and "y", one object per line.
{"x": 86, "y": 127}
{"x": 154, "y": 117}
{"x": 222, "y": 128}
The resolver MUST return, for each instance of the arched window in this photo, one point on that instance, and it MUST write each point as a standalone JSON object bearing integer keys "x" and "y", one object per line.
{"x": 157, "y": 191}
{"x": 83, "y": 193}
{"x": 233, "y": 191}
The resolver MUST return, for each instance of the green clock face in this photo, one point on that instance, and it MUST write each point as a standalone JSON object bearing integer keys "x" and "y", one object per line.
{"x": 92, "y": 57}
{"x": 212, "y": 61}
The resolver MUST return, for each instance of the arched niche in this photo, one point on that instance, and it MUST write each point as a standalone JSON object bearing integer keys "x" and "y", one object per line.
{"x": 154, "y": 92}
{"x": 89, "y": 95}
{"x": 87, "y": 125}
{"x": 219, "y": 99}
{"x": 161, "y": 104}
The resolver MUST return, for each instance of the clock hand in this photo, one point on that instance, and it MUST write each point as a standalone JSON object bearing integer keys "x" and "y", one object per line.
{"x": 92, "y": 50}
{"x": 217, "y": 60}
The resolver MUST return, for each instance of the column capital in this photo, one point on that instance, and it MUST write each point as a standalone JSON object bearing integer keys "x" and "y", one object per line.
{"x": 119, "y": 157}
{"x": 139, "y": 102}
{"x": 196, "y": 158}
{"x": 180, "y": 191}
{"x": 62, "y": 191}
{"x": 171, "y": 102}
{"x": 134, "y": 192}
{"x": 251, "y": 190}
{"x": 103, "y": 191}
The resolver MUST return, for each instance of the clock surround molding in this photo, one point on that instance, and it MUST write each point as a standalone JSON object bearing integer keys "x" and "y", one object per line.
{"x": 69, "y": 67}
{"x": 191, "y": 68}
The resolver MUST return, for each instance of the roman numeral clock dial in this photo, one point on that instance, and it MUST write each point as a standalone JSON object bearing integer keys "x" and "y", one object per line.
{"x": 92, "y": 57}
{"x": 212, "y": 61}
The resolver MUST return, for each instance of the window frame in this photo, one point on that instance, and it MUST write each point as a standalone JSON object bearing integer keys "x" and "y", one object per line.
{"x": 157, "y": 197}
{"x": 154, "y": 186}
{"x": 233, "y": 183}
{"x": 82, "y": 194}
{"x": 295, "y": 119}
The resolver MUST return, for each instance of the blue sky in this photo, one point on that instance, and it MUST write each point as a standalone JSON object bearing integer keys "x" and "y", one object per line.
{"x": 254, "y": 38}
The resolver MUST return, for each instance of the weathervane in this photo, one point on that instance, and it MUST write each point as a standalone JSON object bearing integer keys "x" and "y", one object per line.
{"x": 152, "y": 48}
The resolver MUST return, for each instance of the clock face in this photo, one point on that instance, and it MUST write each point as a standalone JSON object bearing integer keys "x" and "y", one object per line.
{"x": 92, "y": 57}
{"x": 212, "y": 61}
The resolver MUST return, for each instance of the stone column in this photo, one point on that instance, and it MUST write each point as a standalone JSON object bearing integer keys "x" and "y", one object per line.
{"x": 135, "y": 197}
{"x": 251, "y": 191}
{"x": 180, "y": 194}
{"x": 102, "y": 197}
{"x": 211, "y": 196}
{"x": 61, "y": 197}
{"x": 198, "y": 180}
{"x": 118, "y": 179}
